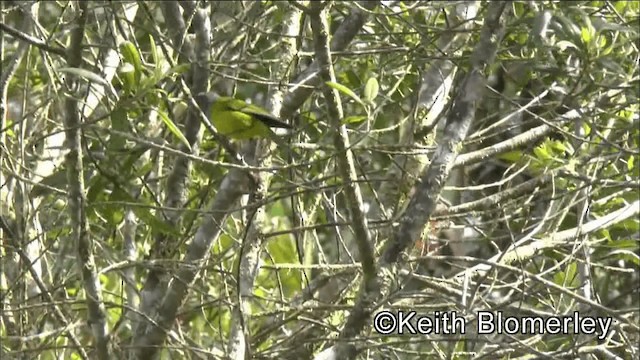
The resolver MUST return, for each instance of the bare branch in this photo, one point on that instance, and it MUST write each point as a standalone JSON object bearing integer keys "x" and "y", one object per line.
{"x": 32, "y": 40}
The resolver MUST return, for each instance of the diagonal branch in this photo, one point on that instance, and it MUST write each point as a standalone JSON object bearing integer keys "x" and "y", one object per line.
{"x": 423, "y": 203}
{"x": 32, "y": 40}
{"x": 518, "y": 251}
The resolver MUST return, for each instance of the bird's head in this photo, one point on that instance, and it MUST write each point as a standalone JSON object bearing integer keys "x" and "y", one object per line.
{"x": 205, "y": 100}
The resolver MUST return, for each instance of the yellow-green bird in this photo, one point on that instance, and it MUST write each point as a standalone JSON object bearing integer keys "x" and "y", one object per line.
{"x": 239, "y": 120}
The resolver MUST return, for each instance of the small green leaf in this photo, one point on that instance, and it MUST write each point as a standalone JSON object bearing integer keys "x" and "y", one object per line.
{"x": 156, "y": 225}
{"x": 627, "y": 255}
{"x": 371, "y": 89}
{"x": 119, "y": 122}
{"x": 131, "y": 55}
{"x": 511, "y": 156}
{"x": 104, "y": 279}
{"x": 178, "y": 69}
{"x": 127, "y": 77}
{"x": 354, "y": 119}
{"x": 57, "y": 181}
{"x": 126, "y": 68}
{"x": 567, "y": 277}
{"x": 586, "y": 35}
{"x": 173, "y": 128}
{"x": 541, "y": 153}
{"x": 113, "y": 211}
{"x": 620, "y": 6}
{"x": 345, "y": 90}
{"x": 9, "y": 127}
{"x": 557, "y": 145}
{"x": 154, "y": 51}
{"x": 627, "y": 244}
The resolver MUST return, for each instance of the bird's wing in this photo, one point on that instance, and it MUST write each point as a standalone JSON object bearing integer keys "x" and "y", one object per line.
{"x": 259, "y": 113}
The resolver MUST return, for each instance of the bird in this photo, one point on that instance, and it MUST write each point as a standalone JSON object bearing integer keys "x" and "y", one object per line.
{"x": 239, "y": 120}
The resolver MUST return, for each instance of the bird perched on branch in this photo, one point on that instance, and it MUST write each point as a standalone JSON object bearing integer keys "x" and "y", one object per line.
{"x": 239, "y": 120}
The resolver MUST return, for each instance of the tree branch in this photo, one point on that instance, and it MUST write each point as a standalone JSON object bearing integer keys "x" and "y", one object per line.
{"x": 346, "y": 168}
{"x": 77, "y": 196}
{"x": 32, "y": 40}
{"x": 161, "y": 297}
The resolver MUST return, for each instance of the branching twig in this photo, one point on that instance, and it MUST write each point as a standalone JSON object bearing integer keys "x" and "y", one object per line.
{"x": 519, "y": 251}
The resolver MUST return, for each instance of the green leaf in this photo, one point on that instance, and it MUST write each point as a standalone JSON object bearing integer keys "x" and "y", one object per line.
{"x": 542, "y": 152}
{"x": 620, "y": 6}
{"x": 626, "y": 244}
{"x": 57, "y": 180}
{"x": 586, "y": 35}
{"x": 160, "y": 73}
{"x": 126, "y": 72}
{"x": 131, "y": 55}
{"x": 8, "y": 129}
{"x": 371, "y": 89}
{"x": 345, "y": 90}
{"x": 173, "y": 128}
{"x": 354, "y": 119}
{"x": 119, "y": 122}
{"x": 511, "y": 156}
{"x": 154, "y": 52}
{"x": 178, "y": 69}
{"x": 156, "y": 225}
{"x": 559, "y": 146}
{"x": 630, "y": 256}
{"x": 567, "y": 277}
{"x": 114, "y": 213}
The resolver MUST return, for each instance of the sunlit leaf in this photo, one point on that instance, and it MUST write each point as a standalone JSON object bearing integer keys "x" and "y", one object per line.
{"x": 131, "y": 55}
{"x": 371, "y": 89}
{"x": 354, "y": 119}
{"x": 345, "y": 90}
{"x": 154, "y": 51}
{"x": 173, "y": 128}
{"x": 511, "y": 156}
